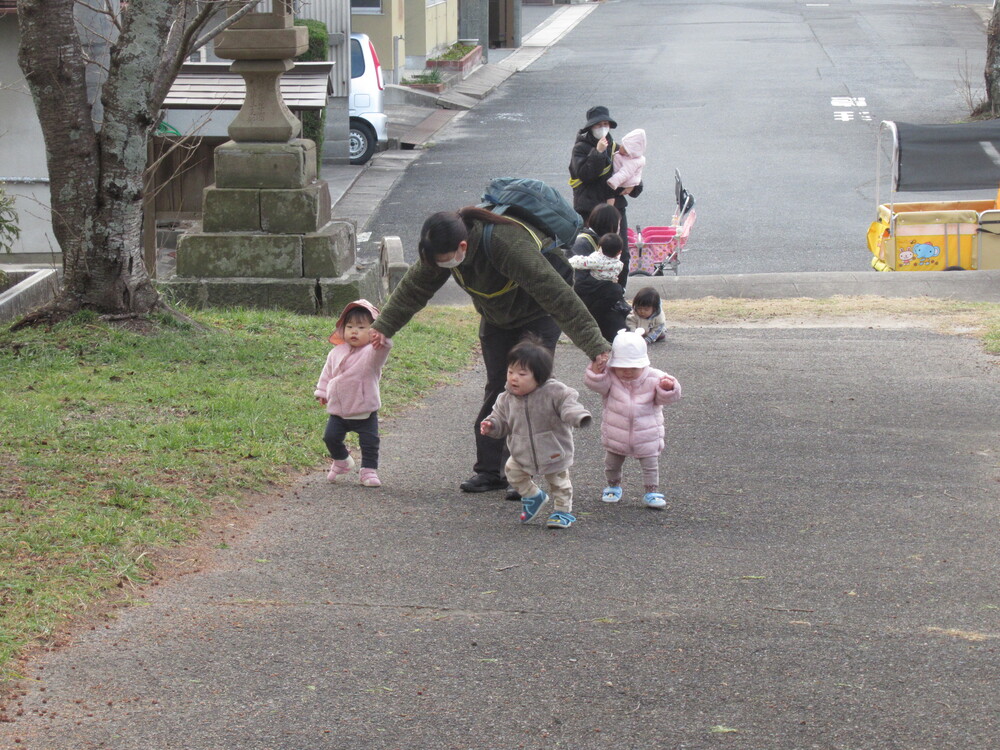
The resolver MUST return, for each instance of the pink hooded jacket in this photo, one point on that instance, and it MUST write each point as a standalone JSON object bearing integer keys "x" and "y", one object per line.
{"x": 632, "y": 424}
{"x": 350, "y": 377}
{"x": 628, "y": 167}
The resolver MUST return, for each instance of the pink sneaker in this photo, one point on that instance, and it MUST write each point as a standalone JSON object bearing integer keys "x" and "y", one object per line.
{"x": 369, "y": 478}
{"x": 337, "y": 468}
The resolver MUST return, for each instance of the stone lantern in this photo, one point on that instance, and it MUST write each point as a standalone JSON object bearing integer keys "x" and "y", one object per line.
{"x": 267, "y": 238}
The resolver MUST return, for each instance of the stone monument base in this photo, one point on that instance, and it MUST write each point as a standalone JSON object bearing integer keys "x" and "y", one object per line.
{"x": 321, "y": 296}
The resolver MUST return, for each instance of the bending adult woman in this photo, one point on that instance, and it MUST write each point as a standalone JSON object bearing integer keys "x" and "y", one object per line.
{"x": 515, "y": 291}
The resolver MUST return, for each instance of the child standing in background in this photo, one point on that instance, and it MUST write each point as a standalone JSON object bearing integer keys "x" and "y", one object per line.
{"x": 647, "y": 315}
{"x": 633, "y": 394}
{"x": 349, "y": 389}
{"x": 628, "y": 160}
{"x": 536, "y": 413}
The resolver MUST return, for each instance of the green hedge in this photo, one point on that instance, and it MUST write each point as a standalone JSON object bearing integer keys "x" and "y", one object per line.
{"x": 314, "y": 123}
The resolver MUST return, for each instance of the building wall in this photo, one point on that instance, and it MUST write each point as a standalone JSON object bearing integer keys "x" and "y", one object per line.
{"x": 431, "y": 27}
{"x": 22, "y": 154}
{"x": 383, "y": 28}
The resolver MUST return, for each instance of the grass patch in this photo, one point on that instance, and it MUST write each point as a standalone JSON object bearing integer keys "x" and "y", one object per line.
{"x": 431, "y": 76}
{"x": 979, "y": 319}
{"x": 114, "y": 444}
{"x": 455, "y": 52}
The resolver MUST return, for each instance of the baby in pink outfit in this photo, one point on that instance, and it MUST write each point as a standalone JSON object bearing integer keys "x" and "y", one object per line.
{"x": 628, "y": 161}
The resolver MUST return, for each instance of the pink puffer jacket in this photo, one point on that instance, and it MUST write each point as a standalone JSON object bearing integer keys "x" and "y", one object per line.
{"x": 633, "y": 411}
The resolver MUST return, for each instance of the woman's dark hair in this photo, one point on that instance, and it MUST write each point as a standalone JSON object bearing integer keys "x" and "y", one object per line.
{"x": 646, "y": 297}
{"x": 604, "y": 218}
{"x": 532, "y": 354}
{"x": 443, "y": 230}
{"x": 611, "y": 244}
{"x": 359, "y": 315}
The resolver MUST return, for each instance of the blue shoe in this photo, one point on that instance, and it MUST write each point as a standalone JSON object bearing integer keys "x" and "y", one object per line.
{"x": 532, "y": 506}
{"x": 560, "y": 520}
{"x": 654, "y": 500}
{"x": 611, "y": 494}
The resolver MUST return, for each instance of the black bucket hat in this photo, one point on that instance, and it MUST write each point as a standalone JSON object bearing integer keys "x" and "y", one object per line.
{"x": 598, "y": 114}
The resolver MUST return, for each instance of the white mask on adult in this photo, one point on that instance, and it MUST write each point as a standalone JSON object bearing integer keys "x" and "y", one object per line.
{"x": 600, "y": 132}
{"x": 454, "y": 262}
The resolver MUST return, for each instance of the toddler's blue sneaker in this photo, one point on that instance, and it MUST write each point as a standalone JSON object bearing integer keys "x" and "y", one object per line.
{"x": 654, "y": 500}
{"x": 611, "y": 494}
{"x": 532, "y": 506}
{"x": 560, "y": 520}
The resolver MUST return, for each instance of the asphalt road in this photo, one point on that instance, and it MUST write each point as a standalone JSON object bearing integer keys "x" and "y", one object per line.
{"x": 824, "y": 576}
{"x": 770, "y": 111}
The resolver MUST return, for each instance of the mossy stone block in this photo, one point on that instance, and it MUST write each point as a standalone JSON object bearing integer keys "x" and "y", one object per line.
{"x": 206, "y": 255}
{"x": 265, "y": 165}
{"x": 330, "y": 252}
{"x": 332, "y": 295}
{"x": 231, "y": 210}
{"x": 294, "y": 295}
{"x": 297, "y": 211}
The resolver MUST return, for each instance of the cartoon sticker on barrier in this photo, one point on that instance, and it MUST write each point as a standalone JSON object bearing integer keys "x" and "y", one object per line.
{"x": 926, "y": 253}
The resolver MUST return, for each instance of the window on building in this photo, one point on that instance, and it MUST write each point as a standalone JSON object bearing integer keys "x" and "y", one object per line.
{"x": 366, "y": 6}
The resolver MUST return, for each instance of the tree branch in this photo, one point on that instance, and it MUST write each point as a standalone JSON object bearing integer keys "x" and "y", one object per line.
{"x": 202, "y": 41}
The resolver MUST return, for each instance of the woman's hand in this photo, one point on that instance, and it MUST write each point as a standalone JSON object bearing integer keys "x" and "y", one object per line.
{"x": 602, "y": 145}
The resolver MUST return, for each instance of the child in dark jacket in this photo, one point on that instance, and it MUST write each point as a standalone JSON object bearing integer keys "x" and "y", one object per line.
{"x": 596, "y": 283}
{"x": 349, "y": 389}
{"x": 536, "y": 413}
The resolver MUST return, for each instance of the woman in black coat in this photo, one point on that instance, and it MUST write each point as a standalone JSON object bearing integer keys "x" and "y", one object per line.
{"x": 591, "y": 165}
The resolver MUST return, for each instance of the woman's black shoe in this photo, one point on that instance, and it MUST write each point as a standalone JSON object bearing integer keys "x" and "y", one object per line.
{"x": 483, "y": 483}
{"x": 512, "y": 494}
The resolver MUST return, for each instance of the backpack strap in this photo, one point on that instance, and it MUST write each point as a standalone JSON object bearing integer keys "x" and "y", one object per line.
{"x": 484, "y": 245}
{"x": 590, "y": 239}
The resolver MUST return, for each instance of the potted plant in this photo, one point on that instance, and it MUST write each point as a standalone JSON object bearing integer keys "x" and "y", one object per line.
{"x": 429, "y": 81}
{"x": 461, "y": 57}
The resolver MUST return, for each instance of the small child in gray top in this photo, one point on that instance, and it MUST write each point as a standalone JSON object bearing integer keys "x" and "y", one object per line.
{"x": 536, "y": 413}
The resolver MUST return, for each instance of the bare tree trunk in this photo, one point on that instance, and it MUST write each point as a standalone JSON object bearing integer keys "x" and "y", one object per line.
{"x": 992, "y": 72}
{"x": 96, "y": 169}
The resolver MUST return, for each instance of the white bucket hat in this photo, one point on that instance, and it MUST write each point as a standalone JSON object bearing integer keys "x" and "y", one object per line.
{"x": 629, "y": 349}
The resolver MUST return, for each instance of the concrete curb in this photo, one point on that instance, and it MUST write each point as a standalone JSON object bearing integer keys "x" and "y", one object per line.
{"x": 34, "y": 289}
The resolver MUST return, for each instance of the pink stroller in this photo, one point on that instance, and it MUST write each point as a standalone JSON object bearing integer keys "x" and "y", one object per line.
{"x": 652, "y": 249}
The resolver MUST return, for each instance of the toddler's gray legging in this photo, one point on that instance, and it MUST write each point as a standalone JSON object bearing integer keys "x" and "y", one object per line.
{"x": 613, "y": 463}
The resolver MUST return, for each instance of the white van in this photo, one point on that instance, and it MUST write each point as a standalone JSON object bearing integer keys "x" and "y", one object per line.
{"x": 369, "y": 123}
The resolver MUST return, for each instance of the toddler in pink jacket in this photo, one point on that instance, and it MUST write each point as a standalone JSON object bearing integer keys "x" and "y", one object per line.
{"x": 629, "y": 160}
{"x": 633, "y": 394}
{"x": 349, "y": 389}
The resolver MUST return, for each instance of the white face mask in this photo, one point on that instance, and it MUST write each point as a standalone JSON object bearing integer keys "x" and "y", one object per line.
{"x": 455, "y": 261}
{"x": 599, "y": 133}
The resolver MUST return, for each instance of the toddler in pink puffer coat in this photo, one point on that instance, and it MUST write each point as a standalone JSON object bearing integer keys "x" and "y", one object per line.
{"x": 633, "y": 394}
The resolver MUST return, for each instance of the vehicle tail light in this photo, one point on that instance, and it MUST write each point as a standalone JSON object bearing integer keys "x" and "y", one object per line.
{"x": 378, "y": 66}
